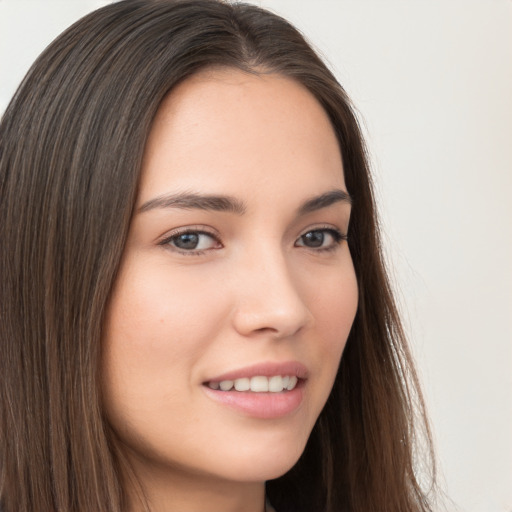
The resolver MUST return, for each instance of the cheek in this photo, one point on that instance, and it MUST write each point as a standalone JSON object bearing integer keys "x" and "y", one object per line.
{"x": 334, "y": 308}
{"x": 154, "y": 309}
{"x": 156, "y": 329}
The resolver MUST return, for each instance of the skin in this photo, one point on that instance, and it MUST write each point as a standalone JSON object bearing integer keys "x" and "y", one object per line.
{"x": 256, "y": 291}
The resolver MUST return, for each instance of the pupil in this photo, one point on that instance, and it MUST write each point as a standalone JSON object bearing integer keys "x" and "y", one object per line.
{"x": 187, "y": 241}
{"x": 314, "y": 238}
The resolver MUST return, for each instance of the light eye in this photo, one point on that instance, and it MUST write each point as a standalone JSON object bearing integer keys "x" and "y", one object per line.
{"x": 192, "y": 241}
{"x": 320, "y": 239}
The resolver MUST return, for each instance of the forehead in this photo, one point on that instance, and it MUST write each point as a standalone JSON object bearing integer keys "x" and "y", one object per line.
{"x": 221, "y": 129}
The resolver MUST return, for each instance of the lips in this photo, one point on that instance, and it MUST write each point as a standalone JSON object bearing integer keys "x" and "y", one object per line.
{"x": 267, "y": 390}
{"x": 268, "y": 369}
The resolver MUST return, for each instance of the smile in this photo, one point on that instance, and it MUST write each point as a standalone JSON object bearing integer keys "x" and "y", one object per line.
{"x": 257, "y": 384}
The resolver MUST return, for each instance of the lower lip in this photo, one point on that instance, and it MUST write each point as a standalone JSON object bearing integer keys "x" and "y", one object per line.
{"x": 260, "y": 405}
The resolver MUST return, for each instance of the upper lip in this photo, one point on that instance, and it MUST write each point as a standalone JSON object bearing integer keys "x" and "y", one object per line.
{"x": 267, "y": 369}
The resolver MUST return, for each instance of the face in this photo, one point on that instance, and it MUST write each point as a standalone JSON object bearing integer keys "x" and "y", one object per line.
{"x": 236, "y": 291}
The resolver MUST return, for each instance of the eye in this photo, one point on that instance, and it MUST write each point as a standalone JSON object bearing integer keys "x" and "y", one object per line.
{"x": 192, "y": 241}
{"x": 321, "y": 239}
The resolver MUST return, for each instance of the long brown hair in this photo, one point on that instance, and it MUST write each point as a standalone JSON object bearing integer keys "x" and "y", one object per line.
{"x": 71, "y": 145}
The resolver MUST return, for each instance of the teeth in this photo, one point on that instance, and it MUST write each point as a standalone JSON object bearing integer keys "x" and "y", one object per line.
{"x": 292, "y": 383}
{"x": 258, "y": 384}
{"x": 275, "y": 384}
{"x": 226, "y": 385}
{"x": 242, "y": 384}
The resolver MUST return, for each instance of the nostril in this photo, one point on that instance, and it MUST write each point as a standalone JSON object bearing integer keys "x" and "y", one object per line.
{"x": 276, "y": 320}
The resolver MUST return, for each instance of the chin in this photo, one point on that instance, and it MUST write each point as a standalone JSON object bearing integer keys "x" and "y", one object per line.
{"x": 263, "y": 462}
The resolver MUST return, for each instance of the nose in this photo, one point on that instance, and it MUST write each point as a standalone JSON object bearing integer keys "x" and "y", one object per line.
{"x": 268, "y": 299}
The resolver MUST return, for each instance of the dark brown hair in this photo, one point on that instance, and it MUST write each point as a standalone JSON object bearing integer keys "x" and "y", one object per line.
{"x": 71, "y": 145}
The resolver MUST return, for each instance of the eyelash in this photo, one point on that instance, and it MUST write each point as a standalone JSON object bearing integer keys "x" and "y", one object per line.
{"x": 337, "y": 236}
{"x": 188, "y": 231}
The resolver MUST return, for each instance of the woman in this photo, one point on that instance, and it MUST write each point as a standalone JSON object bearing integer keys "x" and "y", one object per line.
{"x": 189, "y": 248}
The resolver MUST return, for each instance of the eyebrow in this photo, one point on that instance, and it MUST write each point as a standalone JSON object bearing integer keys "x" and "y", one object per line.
{"x": 325, "y": 200}
{"x": 192, "y": 200}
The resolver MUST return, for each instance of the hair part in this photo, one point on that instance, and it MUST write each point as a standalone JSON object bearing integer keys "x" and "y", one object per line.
{"x": 71, "y": 146}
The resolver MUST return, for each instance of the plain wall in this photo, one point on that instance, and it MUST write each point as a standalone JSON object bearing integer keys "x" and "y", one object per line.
{"x": 432, "y": 81}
